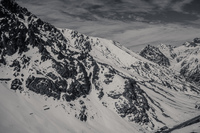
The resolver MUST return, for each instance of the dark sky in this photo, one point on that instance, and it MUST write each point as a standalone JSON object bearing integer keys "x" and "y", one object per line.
{"x": 131, "y": 22}
{"x": 154, "y": 11}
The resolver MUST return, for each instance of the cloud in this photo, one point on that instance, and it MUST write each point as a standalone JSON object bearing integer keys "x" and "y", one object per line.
{"x": 156, "y": 11}
{"x": 177, "y": 5}
{"x": 161, "y": 4}
{"x": 192, "y": 7}
{"x": 154, "y": 35}
{"x": 126, "y": 21}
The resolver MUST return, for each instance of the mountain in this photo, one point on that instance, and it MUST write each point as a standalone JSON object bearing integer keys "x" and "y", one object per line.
{"x": 154, "y": 54}
{"x": 59, "y": 80}
{"x": 183, "y": 59}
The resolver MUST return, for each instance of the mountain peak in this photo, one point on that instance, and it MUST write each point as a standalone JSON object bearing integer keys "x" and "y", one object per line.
{"x": 194, "y": 43}
{"x": 165, "y": 46}
{"x": 184, "y": 59}
{"x": 196, "y": 40}
{"x": 13, "y": 7}
{"x": 153, "y": 53}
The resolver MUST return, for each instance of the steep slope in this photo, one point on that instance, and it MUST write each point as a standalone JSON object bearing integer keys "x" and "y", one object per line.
{"x": 154, "y": 54}
{"x": 188, "y": 61}
{"x": 183, "y": 59}
{"x": 95, "y": 80}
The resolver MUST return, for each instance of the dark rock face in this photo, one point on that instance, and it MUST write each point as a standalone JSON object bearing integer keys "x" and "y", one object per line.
{"x": 83, "y": 113}
{"x": 153, "y": 54}
{"x": 197, "y": 40}
{"x": 16, "y": 65}
{"x": 189, "y": 68}
{"x": 16, "y": 84}
{"x": 82, "y": 43}
{"x": 109, "y": 76}
{"x": 76, "y": 89}
{"x": 44, "y": 86}
{"x": 19, "y": 36}
{"x": 191, "y": 75}
{"x": 16, "y": 37}
{"x": 22, "y": 35}
{"x": 136, "y": 106}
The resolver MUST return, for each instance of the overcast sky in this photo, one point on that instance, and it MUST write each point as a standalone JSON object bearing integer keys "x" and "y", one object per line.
{"x": 133, "y": 23}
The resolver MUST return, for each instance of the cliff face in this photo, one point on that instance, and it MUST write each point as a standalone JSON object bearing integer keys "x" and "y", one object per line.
{"x": 184, "y": 59}
{"x": 154, "y": 54}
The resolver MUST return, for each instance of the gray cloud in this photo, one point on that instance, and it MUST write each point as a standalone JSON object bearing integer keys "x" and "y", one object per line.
{"x": 192, "y": 7}
{"x": 133, "y": 23}
{"x": 154, "y": 11}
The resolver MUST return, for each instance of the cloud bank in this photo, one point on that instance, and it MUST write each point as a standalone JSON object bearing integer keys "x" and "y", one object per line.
{"x": 133, "y": 23}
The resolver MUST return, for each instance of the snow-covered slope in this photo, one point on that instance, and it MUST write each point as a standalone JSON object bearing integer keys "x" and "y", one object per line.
{"x": 71, "y": 82}
{"x": 183, "y": 59}
{"x": 29, "y": 113}
{"x": 195, "y": 128}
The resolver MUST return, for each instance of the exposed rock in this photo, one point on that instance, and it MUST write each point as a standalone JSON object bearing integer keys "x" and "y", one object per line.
{"x": 197, "y": 40}
{"x": 16, "y": 65}
{"x": 135, "y": 106}
{"x": 16, "y": 84}
{"x": 44, "y": 86}
{"x": 153, "y": 54}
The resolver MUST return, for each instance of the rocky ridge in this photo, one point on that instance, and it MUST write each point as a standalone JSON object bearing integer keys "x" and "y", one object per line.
{"x": 183, "y": 59}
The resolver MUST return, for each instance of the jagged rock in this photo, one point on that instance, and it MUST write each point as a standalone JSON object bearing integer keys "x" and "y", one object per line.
{"x": 197, "y": 105}
{"x": 136, "y": 106}
{"x": 25, "y": 61}
{"x": 16, "y": 65}
{"x": 44, "y": 86}
{"x": 16, "y": 84}
{"x": 76, "y": 89}
{"x": 61, "y": 84}
{"x": 52, "y": 76}
{"x": 81, "y": 102}
{"x": 183, "y": 55}
{"x": 109, "y": 77}
{"x": 83, "y": 114}
{"x": 197, "y": 40}
{"x": 81, "y": 42}
{"x": 153, "y": 54}
{"x": 101, "y": 94}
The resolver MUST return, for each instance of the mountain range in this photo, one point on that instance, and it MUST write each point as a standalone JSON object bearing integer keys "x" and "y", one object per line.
{"x": 59, "y": 80}
{"x": 183, "y": 59}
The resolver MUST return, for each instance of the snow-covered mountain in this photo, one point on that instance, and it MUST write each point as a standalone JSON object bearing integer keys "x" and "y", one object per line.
{"x": 59, "y": 80}
{"x": 183, "y": 59}
{"x": 154, "y": 54}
